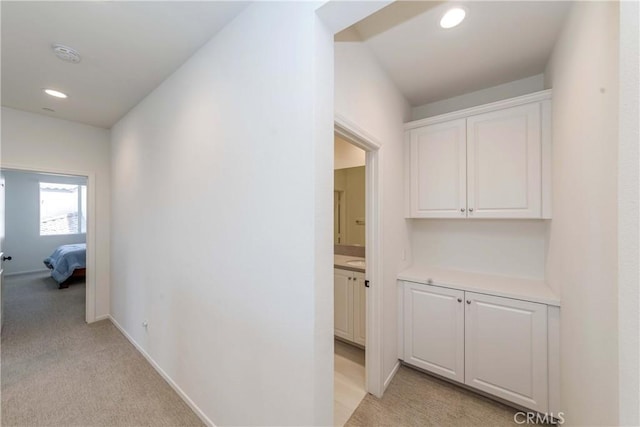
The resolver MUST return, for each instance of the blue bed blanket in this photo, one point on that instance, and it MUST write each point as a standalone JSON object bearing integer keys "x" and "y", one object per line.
{"x": 65, "y": 259}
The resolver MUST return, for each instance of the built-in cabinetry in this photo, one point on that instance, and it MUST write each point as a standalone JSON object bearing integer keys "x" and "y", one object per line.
{"x": 349, "y": 305}
{"x": 491, "y": 161}
{"x": 503, "y": 346}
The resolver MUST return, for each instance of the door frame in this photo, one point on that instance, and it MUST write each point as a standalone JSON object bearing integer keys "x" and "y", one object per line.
{"x": 350, "y": 132}
{"x": 90, "y": 287}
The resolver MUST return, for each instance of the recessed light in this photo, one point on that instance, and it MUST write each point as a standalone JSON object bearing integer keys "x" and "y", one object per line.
{"x": 55, "y": 93}
{"x": 452, "y": 17}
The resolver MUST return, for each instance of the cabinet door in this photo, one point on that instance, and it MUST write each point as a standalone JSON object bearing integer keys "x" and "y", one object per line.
{"x": 504, "y": 150}
{"x": 434, "y": 329}
{"x": 359, "y": 309}
{"x": 343, "y": 304}
{"x": 438, "y": 171}
{"x": 506, "y": 349}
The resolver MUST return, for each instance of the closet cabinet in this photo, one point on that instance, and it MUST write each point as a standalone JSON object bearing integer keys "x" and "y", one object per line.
{"x": 491, "y": 161}
{"x": 494, "y": 344}
{"x": 349, "y": 310}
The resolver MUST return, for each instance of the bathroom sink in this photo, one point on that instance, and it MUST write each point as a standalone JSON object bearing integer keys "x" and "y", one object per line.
{"x": 356, "y": 263}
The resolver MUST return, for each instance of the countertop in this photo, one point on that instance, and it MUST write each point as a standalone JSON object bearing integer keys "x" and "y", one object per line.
{"x": 340, "y": 261}
{"x": 510, "y": 287}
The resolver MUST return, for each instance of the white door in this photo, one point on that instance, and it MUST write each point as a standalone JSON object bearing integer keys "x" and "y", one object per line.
{"x": 504, "y": 151}
{"x": 438, "y": 170}
{"x": 434, "y": 329}
{"x": 343, "y": 304}
{"x": 359, "y": 309}
{"x": 506, "y": 349}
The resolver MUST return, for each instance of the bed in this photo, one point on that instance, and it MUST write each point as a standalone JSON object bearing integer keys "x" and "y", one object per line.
{"x": 67, "y": 261}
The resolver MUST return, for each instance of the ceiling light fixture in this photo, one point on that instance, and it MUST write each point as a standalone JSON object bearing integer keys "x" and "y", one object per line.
{"x": 55, "y": 93}
{"x": 66, "y": 53}
{"x": 453, "y": 17}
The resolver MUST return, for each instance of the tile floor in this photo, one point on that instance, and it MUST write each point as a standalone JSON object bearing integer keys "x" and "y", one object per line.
{"x": 348, "y": 381}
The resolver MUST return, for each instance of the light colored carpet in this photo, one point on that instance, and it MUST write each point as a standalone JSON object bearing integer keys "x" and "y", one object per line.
{"x": 417, "y": 399}
{"x": 59, "y": 371}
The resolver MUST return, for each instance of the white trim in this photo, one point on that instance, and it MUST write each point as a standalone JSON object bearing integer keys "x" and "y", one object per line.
{"x": 90, "y": 297}
{"x": 400, "y": 307}
{"x": 393, "y": 373}
{"x": 374, "y": 368}
{"x": 553, "y": 356}
{"x": 546, "y": 139}
{"x": 164, "y": 375}
{"x": 103, "y": 317}
{"x": 486, "y": 108}
{"x": 24, "y": 273}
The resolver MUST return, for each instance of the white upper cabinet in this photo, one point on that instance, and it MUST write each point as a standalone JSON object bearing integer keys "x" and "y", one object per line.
{"x": 504, "y": 163}
{"x": 438, "y": 157}
{"x": 491, "y": 161}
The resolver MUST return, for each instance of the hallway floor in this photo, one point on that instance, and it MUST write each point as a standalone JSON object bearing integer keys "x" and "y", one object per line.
{"x": 59, "y": 371}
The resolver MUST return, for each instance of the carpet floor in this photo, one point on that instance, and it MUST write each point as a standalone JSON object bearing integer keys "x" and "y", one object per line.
{"x": 59, "y": 371}
{"x": 417, "y": 399}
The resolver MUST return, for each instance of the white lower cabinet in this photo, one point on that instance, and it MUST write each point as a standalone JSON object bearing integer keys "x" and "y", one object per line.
{"x": 506, "y": 349}
{"x": 434, "y": 329}
{"x": 359, "y": 310}
{"x": 493, "y": 344}
{"x": 343, "y": 304}
{"x": 349, "y": 307}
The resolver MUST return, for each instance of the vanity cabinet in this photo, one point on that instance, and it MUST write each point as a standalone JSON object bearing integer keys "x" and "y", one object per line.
{"x": 497, "y": 345}
{"x": 491, "y": 161}
{"x": 349, "y": 318}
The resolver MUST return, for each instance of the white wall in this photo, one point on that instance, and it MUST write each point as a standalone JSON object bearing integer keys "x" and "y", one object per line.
{"x": 628, "y": 219}
{"x": 37, "y": 142}
{"x": 484, "y": 96}
{"x": 582, "y": 259}
{"x": 503, "y": 247}
{"x": 22, "y": 221}
{"x": 238, "y": 297}
{"x": 366, "y": 97}
{"x": 347, "y": 155}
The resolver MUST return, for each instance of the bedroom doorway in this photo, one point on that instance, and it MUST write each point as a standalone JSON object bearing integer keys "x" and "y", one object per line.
{"x": 49, "y": 215}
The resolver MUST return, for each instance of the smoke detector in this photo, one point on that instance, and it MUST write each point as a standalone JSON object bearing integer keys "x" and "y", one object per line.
{"x": 66, "y": 53}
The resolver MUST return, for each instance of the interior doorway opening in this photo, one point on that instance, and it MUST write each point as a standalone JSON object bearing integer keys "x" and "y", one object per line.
{"x": 63, "y": 231}
{"x": 358, "y": 351}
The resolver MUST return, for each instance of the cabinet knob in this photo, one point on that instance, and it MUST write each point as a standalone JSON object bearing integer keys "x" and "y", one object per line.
{"x": 349, "y": 278}
{"x": 459, "y": 299}
{"x": 462, "y": 210}
{"x": 468, "y": 301}
{"x": 470, "y": 209}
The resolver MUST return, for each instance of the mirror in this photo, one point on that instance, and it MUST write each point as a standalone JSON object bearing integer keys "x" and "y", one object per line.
{"x": 349, "y": 206}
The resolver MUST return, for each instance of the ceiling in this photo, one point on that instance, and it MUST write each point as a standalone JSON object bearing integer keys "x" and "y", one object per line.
{"x": 498, "y": 42}
{"x": 127, "y": 49}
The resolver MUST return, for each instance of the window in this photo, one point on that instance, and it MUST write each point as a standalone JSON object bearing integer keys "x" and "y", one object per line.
{"x": 63, "y": 209}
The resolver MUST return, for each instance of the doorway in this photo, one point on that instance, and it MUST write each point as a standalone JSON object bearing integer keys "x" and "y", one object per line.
{"x": 56, "y": 228}
{"x": 358, "y": 340}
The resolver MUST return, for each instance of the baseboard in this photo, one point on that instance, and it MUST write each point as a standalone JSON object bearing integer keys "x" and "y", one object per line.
{"x": 164, "y": 375}
{"x": 391, "y": 375}
{"x": 103, "y": 317}
{"x": 24, "y": 273}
